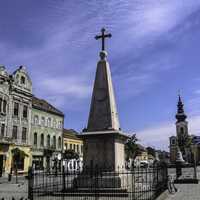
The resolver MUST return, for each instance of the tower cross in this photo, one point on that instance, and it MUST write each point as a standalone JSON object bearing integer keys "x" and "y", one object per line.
{"x": 103, "y": 36}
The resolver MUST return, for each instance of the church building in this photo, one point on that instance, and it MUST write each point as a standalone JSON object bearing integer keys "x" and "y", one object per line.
{"x": 188, "y": 144}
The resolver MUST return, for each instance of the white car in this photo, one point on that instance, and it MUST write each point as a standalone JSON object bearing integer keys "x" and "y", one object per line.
{"x": 144, "y": 163}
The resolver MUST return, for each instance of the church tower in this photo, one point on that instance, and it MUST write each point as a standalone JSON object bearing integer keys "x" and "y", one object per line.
{"x": 181, "y": 124}
{"x": 182, "y": 139}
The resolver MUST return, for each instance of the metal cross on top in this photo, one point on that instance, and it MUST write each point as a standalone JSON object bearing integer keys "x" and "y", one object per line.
{"x": 103, "y": 36}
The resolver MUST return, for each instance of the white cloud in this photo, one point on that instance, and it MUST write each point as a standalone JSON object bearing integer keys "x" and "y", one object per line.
{"x": 158, "y": 136}
{"x": 155, "y": 17}
{"x": 66, "y": 86}
{"x": 62, "y": 90}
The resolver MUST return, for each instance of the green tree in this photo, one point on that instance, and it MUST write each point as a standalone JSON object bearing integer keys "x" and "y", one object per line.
{"x": 70, "y": 154}
{"x": 151, "y": 151}
{"x": 131, "y": 147}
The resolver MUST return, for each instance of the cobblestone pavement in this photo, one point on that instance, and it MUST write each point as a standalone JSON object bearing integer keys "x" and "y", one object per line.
{"x": 11, "y": 189}
{"x": 186, "y": 192}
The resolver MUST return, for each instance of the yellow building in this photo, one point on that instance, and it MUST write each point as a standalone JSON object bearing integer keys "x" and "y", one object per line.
{"x": 72, "y": 141}
{"x": 23, "y": 162}
{"x": 143, "y": 156}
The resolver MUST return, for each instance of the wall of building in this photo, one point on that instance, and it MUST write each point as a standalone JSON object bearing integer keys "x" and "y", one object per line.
{"x": 15, "y": 90}
{"x": 48, "y": 125}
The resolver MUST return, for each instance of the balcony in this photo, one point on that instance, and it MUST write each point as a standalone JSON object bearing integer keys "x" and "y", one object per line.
{"x": 6, "y": 139}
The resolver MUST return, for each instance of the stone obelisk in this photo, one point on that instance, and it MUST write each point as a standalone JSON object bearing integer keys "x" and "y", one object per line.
{"x": 103, "y": 138}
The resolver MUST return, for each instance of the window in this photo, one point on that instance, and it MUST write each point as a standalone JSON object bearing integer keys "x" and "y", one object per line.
{"x": 14, "y": 132}
{"x": 43, "y": 121}
{"x": 24, "y": 130}
{"x": 60, "y": 124}
{"x": 35, "y": 139}
{"x": 182, "y": 130}
{"x": 66, "y": 146}
{"x": 42, "y": 140}
{"x": 59, "y": 142}
{"x": 22, "y": 80}
{"x": 36, "y": 120}
{"x": 77, "y": 148}
{"x": 70, "y": 146}
{"x": 74, "y": 148}
{"x": 16, "y": 109}
{"x": 25, "y": 111}
{"x": 4, "y": 106}
{"x": 173, "y": 141}
{"x": 48, "y": 140}
{"x": 54, "y": 123}
{"x": 49, "y": 122}
{"x": 2, "y": 129}
{"x": 54, "y": 141}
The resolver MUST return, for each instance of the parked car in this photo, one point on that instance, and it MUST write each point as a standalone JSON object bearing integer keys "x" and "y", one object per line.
{"x": 144, "y": 163}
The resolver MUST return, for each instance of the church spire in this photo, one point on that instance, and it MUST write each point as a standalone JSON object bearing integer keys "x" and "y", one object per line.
{"x": 103, "y": 111}
{"x": 180, "y": 116}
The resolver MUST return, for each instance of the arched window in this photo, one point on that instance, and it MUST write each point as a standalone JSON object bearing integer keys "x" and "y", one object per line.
{"x": 35, "y": 139}
{"x": 36, "y": 120}
{"x": 182, "y": 130}
{"x": 23, "y": 80}
{"x": 49, "y": 122}
{"x": 43, "y": 121}
{"x": 42, "y": 140}
{"x": 54, "y": 142}
{"x": 173, "y": 141}
{"x": 48, "y": 140}
{"x": 4, "y": 106}
{"x": 59, "y": 142}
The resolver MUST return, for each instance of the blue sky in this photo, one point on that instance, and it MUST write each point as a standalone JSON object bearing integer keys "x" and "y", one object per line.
{"x": 154, "y": 52}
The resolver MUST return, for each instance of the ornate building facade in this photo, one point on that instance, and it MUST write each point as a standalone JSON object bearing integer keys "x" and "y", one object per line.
{"x": 15, "y": 119}
{"x": 30, "y": 128}
{"x": 188, "y": 144}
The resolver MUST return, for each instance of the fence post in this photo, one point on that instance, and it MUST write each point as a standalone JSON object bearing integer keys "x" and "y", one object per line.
{"x": 63, "y": 177}
{"x": 30, "y": 183}
{"x": 195, "y": 170}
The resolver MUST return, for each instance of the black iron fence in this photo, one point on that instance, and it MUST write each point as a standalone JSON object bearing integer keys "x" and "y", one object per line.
{"x": 139, "y": 184}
